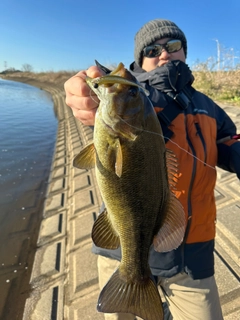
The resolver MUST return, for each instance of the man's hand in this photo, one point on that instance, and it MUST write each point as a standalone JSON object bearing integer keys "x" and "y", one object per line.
{"x": 80, "y": 97}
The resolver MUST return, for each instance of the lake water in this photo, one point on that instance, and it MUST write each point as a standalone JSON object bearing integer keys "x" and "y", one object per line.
{"x": 27, "y": 138}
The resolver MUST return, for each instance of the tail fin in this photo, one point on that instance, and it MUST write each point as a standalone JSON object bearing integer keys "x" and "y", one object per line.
{"x": 140, "y": 299}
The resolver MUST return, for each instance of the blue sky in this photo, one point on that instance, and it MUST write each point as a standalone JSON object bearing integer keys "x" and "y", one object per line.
{"x": 53, "y": 35}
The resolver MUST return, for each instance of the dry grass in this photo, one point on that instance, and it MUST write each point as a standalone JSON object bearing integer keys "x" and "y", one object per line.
{"x": 44, "y": 77}
{"x": 219, "y": 78}
{"x": 54, "y": 77}
{"x": 219, "y": 85}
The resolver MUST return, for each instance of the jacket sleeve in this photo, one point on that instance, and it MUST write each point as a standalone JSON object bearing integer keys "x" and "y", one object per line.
{"x": 228, "y": 151}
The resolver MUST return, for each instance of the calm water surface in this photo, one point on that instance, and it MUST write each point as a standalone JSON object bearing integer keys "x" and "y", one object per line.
{"x": 27, "y": 137}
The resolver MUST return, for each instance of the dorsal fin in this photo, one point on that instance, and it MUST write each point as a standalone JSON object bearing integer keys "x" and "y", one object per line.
{"x": 171, "y": 233}
{"x": 172, "y": 168}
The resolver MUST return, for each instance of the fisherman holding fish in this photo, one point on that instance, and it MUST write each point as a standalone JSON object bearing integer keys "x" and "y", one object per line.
{"x": 194, "y": 130}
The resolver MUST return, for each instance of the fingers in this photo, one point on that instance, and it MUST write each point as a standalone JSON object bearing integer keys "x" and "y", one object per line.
{"x": 87, "y": 117}
{"x": 80, "y": 98}
{"x": 94, "y": 72}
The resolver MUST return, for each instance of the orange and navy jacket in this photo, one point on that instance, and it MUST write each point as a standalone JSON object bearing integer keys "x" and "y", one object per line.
{"x": 192, "y": 135}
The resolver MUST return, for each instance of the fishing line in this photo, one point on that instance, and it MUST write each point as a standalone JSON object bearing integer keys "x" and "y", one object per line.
{"x": 158, "y": 134}
{"x": 90, "y": 91}
{"x": 93, "y": 97}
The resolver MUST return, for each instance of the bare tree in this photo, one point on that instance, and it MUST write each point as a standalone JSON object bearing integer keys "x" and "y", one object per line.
{"x": 26, "y": 67}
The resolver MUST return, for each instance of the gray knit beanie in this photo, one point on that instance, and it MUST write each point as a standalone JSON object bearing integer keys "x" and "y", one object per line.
{"x": 155, "y": 30}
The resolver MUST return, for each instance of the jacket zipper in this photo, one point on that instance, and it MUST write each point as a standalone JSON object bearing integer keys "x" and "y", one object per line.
{"x": 199, "y": 133}
{"x": 189, "y": 196}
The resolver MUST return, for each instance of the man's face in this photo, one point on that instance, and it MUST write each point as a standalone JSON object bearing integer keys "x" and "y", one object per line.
{"x": 150, "y": 64}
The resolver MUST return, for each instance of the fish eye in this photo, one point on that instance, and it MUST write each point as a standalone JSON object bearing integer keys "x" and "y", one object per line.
{"x": 133, "y": 91}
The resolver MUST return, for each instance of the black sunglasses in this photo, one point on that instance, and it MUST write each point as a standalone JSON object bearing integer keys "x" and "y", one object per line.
{"x": 155, "y": 50}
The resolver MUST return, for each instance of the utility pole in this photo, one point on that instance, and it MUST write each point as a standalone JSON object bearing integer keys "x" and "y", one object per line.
{"x": 218, "y": 54}
{"x": 233, "y": 57}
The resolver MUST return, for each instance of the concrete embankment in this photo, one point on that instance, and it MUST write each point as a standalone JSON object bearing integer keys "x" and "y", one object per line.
{"x": 64, "y": 278}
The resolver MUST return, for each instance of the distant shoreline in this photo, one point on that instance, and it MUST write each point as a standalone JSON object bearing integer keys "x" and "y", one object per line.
{"x": 43, "y": 85}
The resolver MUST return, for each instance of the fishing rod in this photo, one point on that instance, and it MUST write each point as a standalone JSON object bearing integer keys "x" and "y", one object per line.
{"x": 235, "y": 137}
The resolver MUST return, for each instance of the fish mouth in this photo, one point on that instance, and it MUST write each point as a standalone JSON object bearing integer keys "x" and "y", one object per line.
{"x": 110, "y": 80}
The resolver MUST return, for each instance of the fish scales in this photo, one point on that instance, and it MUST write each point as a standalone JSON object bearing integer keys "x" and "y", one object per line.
{"x": 132, "y": 170}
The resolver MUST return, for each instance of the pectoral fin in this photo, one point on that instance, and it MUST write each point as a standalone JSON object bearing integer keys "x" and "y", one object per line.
{"x": 119, "y": 159}
{"x": 115, "y": 158}
{"x": 103, "y": 233}
{"x": 86, "y": 159}
{"x": 171, "y": 234}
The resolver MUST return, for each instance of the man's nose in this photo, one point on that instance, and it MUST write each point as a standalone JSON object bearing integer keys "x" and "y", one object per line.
{"x": 164, "y": 54}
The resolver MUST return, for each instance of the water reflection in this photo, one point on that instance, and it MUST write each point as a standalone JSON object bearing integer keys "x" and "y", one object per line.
{"x": 27, "y": 137}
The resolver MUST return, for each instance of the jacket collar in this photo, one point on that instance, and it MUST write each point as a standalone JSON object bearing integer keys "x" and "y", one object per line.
{"x": 173, "y": 76}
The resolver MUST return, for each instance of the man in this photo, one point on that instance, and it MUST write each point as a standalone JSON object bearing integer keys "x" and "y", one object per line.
{"x": 192, "y": 126}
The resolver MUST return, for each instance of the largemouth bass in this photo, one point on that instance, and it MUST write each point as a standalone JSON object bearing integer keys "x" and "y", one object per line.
{"x": 135, "y": 173}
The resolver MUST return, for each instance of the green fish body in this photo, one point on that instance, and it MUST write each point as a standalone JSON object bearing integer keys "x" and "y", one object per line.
{"x": 134, "y": 171}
